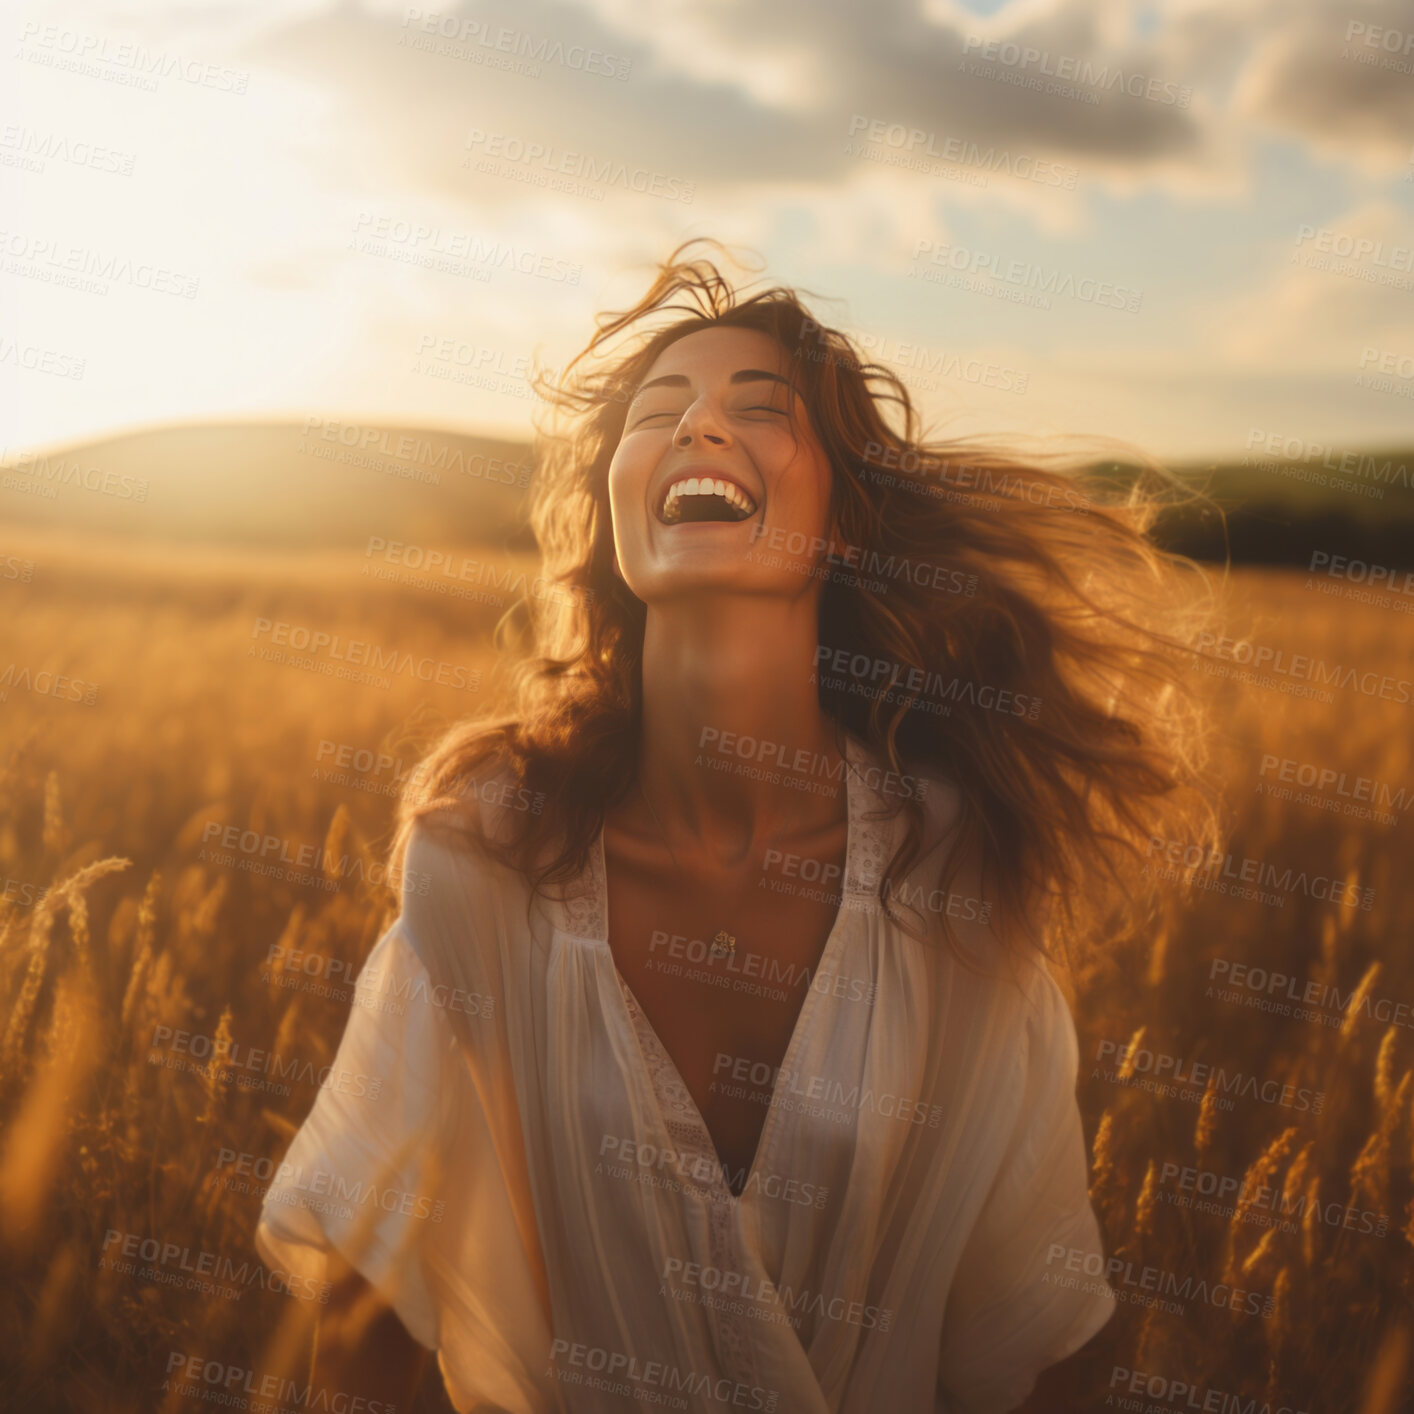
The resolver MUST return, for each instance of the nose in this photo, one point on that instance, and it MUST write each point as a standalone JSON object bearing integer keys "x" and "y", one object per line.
{"x": 701, "y": 420}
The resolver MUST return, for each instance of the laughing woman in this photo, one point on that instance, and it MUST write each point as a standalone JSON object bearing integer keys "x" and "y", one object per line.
{"x": 721, "y": 1061}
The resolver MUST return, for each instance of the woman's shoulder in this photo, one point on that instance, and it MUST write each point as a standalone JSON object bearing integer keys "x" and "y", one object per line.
{"x": 926, "y": 783}
{"x": 476, "y": 813}
{"x": 479, "y": 802}
{"x": 940, "y": 797}
{"x": 459, "y": 896}
{"x": 973, "y": 915}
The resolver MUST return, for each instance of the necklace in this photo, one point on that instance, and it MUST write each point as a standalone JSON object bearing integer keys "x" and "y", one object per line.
{"x": 723, "y": 942}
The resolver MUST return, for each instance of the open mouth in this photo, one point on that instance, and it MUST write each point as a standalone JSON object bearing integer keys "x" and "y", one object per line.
{"x": 703, "y": 499}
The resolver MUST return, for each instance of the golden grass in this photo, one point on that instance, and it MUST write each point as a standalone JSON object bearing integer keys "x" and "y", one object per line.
{"x": 106, "y": 806}
{"x": 1336, "y": 1334}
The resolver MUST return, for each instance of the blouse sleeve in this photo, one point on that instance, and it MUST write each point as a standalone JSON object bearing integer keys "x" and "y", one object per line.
{"x": 1029, "y": 1288}
{"x": 360, "y": 1174}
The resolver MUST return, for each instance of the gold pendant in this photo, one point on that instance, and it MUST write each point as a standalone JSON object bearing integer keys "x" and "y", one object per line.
{"x": 723, "y": 943}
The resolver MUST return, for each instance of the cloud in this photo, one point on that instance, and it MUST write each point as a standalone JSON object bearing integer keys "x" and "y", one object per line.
{"x": 739, "y": 95}
{"x": 767, "y": 116}
{"x": 1341, "y": 76}
{"x": 1322, "y": 308}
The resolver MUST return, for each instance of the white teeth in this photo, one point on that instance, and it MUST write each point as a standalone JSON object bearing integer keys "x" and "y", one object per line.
{"x": 705, "y": 486}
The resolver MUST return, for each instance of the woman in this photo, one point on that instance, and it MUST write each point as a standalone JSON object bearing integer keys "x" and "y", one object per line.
{"x": 721, "y": 1065}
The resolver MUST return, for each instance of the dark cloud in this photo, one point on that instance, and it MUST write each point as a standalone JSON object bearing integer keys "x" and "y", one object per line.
{"x": 1320, "y": 76}
{"x": 412, "y": 109}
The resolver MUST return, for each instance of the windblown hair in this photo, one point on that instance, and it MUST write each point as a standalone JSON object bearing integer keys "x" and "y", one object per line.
{"x": 1072, "y": 609}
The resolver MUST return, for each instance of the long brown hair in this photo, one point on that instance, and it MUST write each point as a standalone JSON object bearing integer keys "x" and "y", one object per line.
{"x": 1069, "y": 608}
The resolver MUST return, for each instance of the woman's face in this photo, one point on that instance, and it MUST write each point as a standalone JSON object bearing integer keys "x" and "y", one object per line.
{"x": 716, "y": 407}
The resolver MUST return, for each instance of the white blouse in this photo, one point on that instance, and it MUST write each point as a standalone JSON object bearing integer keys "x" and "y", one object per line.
{"x": 531, "y": 1187}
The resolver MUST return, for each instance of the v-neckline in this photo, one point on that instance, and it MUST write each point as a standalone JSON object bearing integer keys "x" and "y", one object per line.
{"x": 629, "y": 1002}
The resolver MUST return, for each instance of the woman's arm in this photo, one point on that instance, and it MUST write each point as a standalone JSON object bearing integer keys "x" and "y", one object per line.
{"x": 361, "y": 1347}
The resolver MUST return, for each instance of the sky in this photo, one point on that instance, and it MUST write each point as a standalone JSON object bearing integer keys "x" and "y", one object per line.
{"x": 1189, "y": 225}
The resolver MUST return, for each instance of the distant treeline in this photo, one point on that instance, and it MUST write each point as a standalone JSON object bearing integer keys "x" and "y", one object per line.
{"x": 1287, "y": 512}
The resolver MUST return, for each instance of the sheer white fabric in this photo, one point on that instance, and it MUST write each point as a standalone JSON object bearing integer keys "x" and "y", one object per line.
{"x": 535, "y": 1194}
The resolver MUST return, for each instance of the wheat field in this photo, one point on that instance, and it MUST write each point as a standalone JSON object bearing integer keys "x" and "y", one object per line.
{"x": 150, "y": 716}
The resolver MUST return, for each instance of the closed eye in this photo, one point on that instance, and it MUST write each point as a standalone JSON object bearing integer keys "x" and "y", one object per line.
{"x": 756, "y": 407}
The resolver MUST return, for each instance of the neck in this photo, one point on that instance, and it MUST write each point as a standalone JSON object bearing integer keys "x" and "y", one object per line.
{"x": 728, "y": 683}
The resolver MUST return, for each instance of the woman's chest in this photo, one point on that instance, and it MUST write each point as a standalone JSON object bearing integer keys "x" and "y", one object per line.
{"x": 727, "y": 953}
{"x": 723, "y": 969}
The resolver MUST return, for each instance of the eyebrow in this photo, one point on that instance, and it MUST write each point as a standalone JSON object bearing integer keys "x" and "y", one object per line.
{"x": 742, "y": 375}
